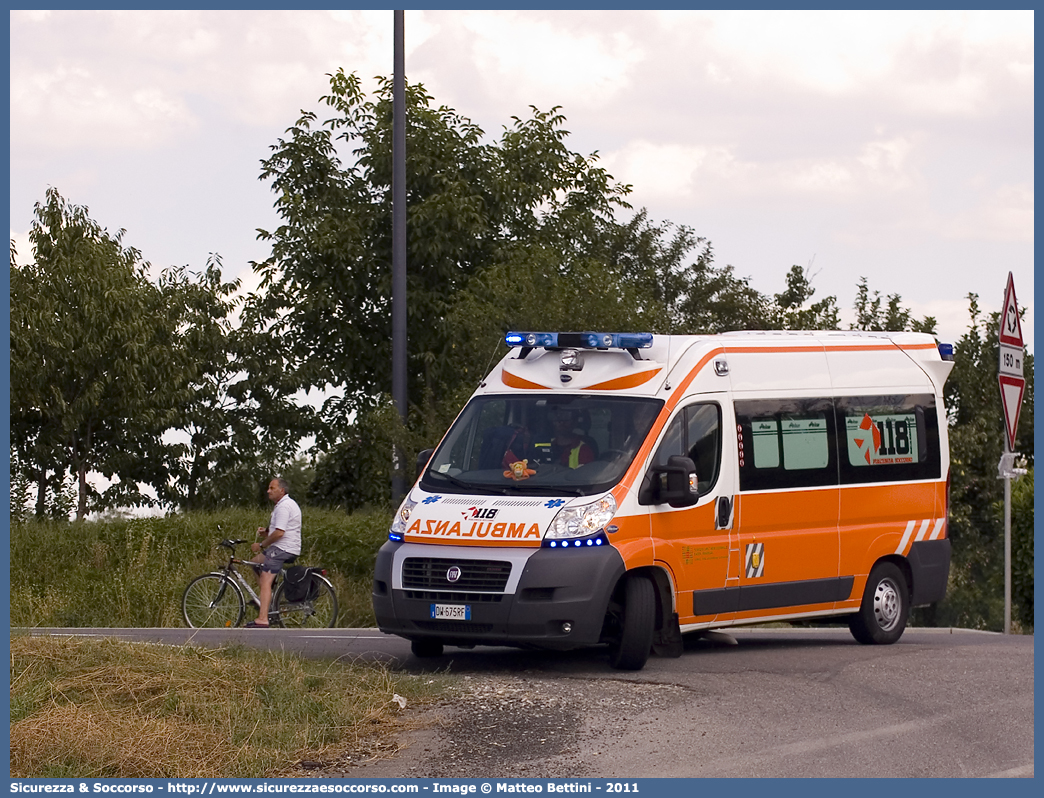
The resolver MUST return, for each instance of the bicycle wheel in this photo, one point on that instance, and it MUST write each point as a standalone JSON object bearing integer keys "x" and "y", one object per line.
{"x": 212, "y": 601}
{"x": 316, "y": 613}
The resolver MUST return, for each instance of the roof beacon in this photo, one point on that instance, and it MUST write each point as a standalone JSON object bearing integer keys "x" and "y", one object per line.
{"x": 581, "y": 340}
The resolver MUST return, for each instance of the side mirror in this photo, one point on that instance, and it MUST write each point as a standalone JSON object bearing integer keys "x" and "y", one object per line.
{"x": 422, "y": 460}
{"x": 677, "y": 483}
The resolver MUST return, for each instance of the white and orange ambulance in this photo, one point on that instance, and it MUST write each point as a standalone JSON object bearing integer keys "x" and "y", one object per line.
{"x": 630, "y": 488}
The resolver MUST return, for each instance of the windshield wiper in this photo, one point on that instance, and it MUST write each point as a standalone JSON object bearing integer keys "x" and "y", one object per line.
{"x": 552, "y": 489}
{"x": 460, "y": 483}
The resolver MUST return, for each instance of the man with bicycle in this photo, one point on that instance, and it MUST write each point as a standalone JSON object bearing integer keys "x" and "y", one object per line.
{"x": 284, "y": 529}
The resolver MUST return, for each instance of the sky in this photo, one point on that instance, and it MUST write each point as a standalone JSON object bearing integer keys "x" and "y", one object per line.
{"x": 895, "y": 145}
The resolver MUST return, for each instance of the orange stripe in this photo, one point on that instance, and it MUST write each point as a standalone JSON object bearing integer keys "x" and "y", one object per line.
{"x": 762, "y": 350}
{"x": 514, "y": 381}
{"x": 630, "y": 381}
{"x": 632, "y": 473}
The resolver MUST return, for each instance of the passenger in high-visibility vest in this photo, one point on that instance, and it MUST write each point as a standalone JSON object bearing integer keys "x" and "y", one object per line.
{"x": 567, "y": 447}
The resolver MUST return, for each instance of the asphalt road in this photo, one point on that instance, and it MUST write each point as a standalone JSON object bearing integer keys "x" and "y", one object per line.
{"x": 756, "y": 702}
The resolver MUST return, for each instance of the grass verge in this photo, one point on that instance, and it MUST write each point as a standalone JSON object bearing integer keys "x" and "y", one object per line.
{"x": 85, "y": 708}
{"x": 131, "y": 573}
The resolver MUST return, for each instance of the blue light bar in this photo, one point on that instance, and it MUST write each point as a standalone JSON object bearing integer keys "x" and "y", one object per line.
{"x": 583, "y": 340}
{"x": 946, "y": 351}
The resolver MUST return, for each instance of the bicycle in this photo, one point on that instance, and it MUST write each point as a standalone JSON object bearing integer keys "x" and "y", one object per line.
{"x": 217, "y": 600}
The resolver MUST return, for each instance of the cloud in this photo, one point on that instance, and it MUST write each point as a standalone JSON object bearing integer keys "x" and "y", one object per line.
{"x": 64, "y": 105}
{"x": 524, "y": 55}
{"x": 709, "y": 174}
{"x": 931, "y": 59}
{"x": 1004, "y": 214}
{"x": 71, "y": 86}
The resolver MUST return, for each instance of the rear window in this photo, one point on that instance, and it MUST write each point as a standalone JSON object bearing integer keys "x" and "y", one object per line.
{"x": 889, "y": 438}
{"x": 848, "y": 440}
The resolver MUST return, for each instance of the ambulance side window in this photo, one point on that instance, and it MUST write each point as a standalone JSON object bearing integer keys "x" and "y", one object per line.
{"x": 786, "y": 443}
{"x": 694, "y": 433}
{"x": 888, "y": 438}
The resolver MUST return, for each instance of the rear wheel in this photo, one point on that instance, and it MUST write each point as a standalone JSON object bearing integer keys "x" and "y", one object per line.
{"x": 427, "y": 647}
{"x": 319, "y": 612}
{"x": 212, "y": 601}
{"x": 886, "y": 605}
{"x": 630, "y": 650}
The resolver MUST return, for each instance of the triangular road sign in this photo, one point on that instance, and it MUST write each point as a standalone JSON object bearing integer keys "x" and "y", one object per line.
{"x": 1010, "y": 326}
{"x": 1012, "y": 390}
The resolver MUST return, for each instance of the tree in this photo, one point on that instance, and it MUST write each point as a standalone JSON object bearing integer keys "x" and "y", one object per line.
{"x": 791, "y": 312}
{"x": 893, "y": 317}
{"x": 241, "y": 418}
{"x": 95, "y": 373}
{"x": 470, "y": 206}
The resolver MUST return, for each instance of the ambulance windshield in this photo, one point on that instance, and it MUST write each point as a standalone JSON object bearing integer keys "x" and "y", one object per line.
{"x": 558, "y": 445}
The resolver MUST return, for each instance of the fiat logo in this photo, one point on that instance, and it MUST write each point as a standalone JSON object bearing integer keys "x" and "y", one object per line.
{"x": 453, "y": 574}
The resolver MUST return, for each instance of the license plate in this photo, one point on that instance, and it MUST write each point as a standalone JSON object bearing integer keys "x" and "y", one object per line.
{"x": 451, "y": 612}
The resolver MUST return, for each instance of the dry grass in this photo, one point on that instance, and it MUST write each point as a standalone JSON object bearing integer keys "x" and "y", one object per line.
{"x": 90, "y": 708}
{"x": 115, "y": 743}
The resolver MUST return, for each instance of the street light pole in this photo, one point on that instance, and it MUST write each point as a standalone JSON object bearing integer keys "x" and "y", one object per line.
{"x": 399, "y": 246}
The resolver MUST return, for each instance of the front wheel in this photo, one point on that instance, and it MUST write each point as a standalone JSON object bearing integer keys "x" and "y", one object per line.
{"x": 886, "y": 605}
{"x": 629, "y": 651}
{"x": 212, "y": 601}
{"x": 319, "y": 611}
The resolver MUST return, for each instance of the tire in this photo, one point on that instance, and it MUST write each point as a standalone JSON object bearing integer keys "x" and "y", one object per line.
{"x": 212, "y": 601}
{"x": 427, "y": 647}
{"x": 630, "y": 650}
{"x": 318, "y": 613}
{"x": 886, "y": 606}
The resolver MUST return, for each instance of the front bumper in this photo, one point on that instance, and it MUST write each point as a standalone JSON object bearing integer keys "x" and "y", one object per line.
{"x": 544, "y": 590}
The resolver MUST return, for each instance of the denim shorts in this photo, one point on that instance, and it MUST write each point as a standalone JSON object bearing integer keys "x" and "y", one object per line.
{"x": 275, "y": 559}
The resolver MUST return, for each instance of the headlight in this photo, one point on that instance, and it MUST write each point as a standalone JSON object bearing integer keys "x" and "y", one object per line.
{"x": 401, "y": 520}
{"x": 578, "y": 522}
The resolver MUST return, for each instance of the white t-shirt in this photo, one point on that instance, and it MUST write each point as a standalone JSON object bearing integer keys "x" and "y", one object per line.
{"x": 286, "y": 515}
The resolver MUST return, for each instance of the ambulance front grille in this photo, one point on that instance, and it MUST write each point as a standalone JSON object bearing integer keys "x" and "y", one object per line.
{"x": 476, "y": 576}
{"x": 467, "y": 598}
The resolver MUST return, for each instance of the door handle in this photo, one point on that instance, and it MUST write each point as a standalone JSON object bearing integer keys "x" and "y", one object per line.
{"x": 723, "y": 513}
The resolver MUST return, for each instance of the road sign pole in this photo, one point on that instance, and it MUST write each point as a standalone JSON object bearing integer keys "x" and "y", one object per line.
{"x": 1007, "y": 554}
{"x": 1012, "y": 388}
{"x": 399, "y": 386}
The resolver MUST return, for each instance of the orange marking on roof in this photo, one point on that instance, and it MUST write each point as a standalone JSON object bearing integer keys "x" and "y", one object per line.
{"x": 768, "y": 350}
{"x": 514, "y": 381}
{"x": 630, "y": 381}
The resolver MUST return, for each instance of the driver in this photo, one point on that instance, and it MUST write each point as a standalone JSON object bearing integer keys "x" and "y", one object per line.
{"x": 567, "y": 447}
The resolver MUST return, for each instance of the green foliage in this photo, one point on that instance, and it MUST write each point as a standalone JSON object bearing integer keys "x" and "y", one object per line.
{"x": 241, "y": 419}
{"x": 356, "y": 472}
{"x": 470, "y": 204}
{"x": 976, "y": 593}
{"x": 129, "y": 573}
{"x": 95, "y": 372}
{"x": 791, "y": 311}
{"x": 1022, "y": 550}
{"x": 893, "y": 317}
{"x": 104, "y": 364}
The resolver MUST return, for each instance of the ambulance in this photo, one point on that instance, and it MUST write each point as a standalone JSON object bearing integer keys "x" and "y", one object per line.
{"x": 626, "y": 489}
